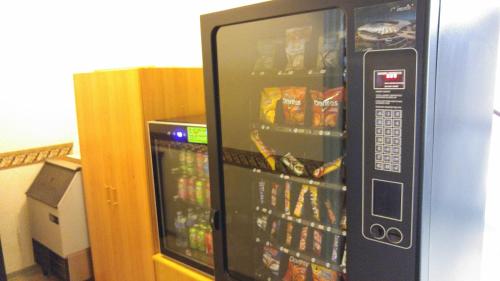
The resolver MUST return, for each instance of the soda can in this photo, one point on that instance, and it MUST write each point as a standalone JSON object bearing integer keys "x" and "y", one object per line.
{"x": 182, "y": 188}
{"x": 207, "y": 194}
{"x": 190, "y": 155}
{"x": 199, "y": 160}
{"x": 205, "y": 164}
{"x": 200, "y": 237}
{"x": 199, "y": 192}
{"x": 193, "y": 239}
{"x": 190, "y": 185}
{"x": 209, "y": 246}
{"x": 182, "y": 157}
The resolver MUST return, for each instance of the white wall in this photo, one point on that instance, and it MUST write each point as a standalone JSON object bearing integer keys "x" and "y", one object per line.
{"x": 42, "y": 43}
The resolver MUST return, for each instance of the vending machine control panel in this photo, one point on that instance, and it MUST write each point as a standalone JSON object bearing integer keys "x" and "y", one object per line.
{"x": 389, "y": 140}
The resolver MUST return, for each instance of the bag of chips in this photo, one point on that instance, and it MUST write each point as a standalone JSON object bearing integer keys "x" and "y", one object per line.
{"x": 271, "y": 259}
{"x": 297, "y": 270}
{"x": 330, "y": 50}
{"x": 293, "y": 101}
{"x": 296, "y": 40}
{"x": 327, "y": 107}
{"x": 269, "y": 98}
{"x": 266, "y": 49}
{"x": 321, "y": 273}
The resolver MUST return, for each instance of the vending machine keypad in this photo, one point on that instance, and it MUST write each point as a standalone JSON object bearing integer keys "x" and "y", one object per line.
{"x": 389, "y": 139}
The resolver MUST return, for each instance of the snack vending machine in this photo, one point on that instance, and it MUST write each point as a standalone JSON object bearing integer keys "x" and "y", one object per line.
{"x": 348, "y": 139}
{"x": 182, "y": 190}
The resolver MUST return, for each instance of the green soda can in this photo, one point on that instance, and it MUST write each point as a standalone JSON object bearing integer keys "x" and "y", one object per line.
{"x": 193, "y": 237}
{"x": 200, "y": 237}
{"x": 200, "y": 192}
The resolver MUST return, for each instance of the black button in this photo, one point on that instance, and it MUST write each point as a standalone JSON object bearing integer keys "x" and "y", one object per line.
{"x": 377, "y": 231}
{"x": 394, "y": 235}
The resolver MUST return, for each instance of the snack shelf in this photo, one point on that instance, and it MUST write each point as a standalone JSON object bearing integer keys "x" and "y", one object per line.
{"x": 303, "y": 256}
{"x": 178, "y": 171}
{"x": 310, "y": 73}
{"x": 254, "y": 160}
{"x": 300, "y": 130}
{"x": 188, "y": 252}
{"x": 301, "y": 221}
{"x": 333, "y": 186}
{"x": 190, "y": 204}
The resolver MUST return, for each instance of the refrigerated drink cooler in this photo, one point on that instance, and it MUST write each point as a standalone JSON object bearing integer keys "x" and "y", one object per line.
{"x": 348, "y": 139}
{"x": 182, "y": 190}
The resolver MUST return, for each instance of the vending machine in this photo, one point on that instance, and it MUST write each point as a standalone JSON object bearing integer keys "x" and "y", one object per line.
{"x": 182, "y": 190}
{"x": 348, "y": 139}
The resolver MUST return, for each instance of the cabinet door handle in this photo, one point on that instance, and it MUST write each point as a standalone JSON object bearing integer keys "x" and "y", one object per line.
{"x": 115, "y": 196}
{"x": 108, "y": 194}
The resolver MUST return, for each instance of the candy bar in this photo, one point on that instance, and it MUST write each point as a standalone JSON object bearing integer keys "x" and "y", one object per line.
{"x": 287, "y": 197}
{"x": 314, "y": 201}
{"x": 293, "y": 164}
{"x": 300, "y": 201}
{"x": 268, "y": 153}
{"x": 321, "y": 273}
{"x": 303, "y": 238}
{"x": 328, "y": 168}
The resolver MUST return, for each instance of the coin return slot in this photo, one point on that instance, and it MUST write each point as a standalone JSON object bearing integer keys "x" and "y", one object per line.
{"x": 377, "y": 231}
{"x": 394, "y": 235}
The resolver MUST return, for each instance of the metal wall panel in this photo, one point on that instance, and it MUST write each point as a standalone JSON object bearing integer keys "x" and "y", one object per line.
{"x": 458, "y": 138}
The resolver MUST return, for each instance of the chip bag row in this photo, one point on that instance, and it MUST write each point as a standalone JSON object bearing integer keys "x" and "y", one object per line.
{"x": 325, "y": 106}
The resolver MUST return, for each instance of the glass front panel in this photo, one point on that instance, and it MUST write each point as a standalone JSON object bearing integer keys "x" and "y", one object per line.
{"x": 183, "y": 200}
{"x": 282, "y": 105}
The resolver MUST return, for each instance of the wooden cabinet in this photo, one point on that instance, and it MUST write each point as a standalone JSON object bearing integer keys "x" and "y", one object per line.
{"x": 112, "y": 109}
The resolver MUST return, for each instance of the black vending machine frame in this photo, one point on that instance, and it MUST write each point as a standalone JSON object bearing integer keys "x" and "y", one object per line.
{"x": 366, "y": 260}
{"x": 158, "y": 130}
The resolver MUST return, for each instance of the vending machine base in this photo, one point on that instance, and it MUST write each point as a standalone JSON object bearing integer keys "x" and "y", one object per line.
{"x": 167, "y": 269}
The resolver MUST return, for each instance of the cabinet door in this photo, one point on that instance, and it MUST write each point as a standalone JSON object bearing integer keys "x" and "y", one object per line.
{"x": 93, "y": 126}
{"x": 133, "y": 229}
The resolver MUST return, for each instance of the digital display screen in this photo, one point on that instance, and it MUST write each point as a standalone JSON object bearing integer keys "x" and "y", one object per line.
{"x": 387, "y": 199}
{"x": 197, "y": 135}
{"x": 390, "y": 79}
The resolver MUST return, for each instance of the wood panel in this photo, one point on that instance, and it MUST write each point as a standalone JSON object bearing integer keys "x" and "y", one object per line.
{"x": 169, "y": 93}
{"x": 113, "y": 108}
{"x": 3, "y": 275}
{"x": 167, "y": 270}
{"x": 93, "y": 125}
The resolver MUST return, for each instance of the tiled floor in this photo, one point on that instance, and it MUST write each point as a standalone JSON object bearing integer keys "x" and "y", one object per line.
{"x": 34, "y": 274}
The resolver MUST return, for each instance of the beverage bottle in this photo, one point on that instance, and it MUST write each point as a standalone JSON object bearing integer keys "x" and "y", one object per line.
{"x": 190, "y": 185}
{"x": 182, "y": 160}
{"x": 191, "y": 218}
{"x": 200, "y": 163}
{"x": 182, "y": 188}
{"x": 200, "y": 192}
{"x": 180, "y": 228}
{"x": 200, "y": 238}
{"x": 193, "y": 232}
{"x": 209, "y": 246}
{"x": 205, "y": 163}
{"x": 207, "y": 194}
{"x": 190, "y": 158}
